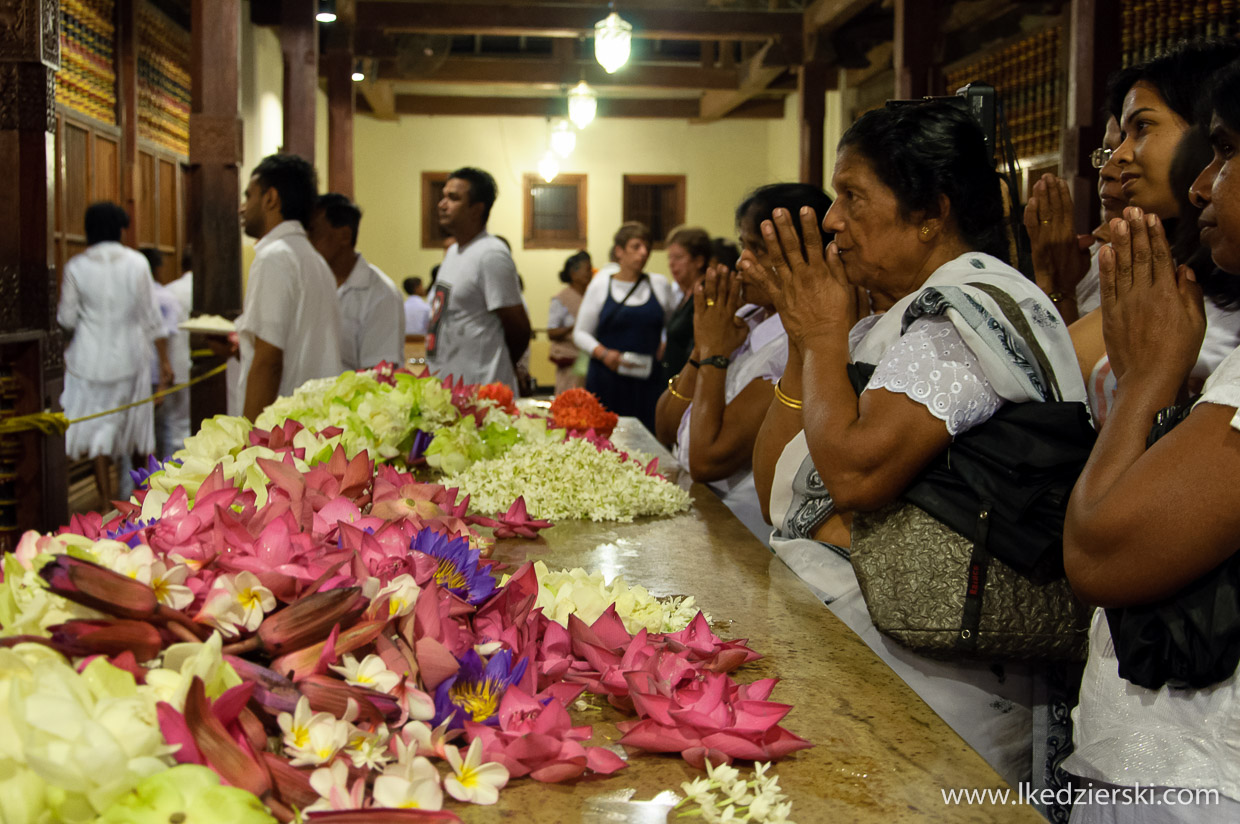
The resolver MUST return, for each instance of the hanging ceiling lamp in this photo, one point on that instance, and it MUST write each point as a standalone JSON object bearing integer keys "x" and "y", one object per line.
{"x": 582, "y": 105}
{"x": 613, "y": 38}
{"x": 359, "y": 73}
{"x": 327, "y": 11}
{"x": 563, "y": 138}
{"x": 548, "y": 167}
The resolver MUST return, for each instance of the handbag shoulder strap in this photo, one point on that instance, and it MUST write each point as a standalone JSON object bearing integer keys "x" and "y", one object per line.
{"x": 605, "y": 320}
{"x": 1018, "y": 321}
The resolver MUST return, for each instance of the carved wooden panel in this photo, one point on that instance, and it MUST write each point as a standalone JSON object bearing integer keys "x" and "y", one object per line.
{"x": 107, "y": 172}
{"x": 168, "y": 212}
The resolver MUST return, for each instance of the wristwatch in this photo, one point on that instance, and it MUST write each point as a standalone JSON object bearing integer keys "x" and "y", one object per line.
{"x": 718, "y": 361}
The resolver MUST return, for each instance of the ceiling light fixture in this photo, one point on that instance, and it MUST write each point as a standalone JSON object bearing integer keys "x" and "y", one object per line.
{"x": 613, "y": 38}
{"x": 563, "y": 138}
{"x": 327, "y": 11}
{"x": 548, "y": 167}
{"x": 358, "y": 73}
{"x": 582, "y": 105}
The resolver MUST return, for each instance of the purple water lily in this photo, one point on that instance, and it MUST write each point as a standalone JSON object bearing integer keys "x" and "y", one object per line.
{"x": 421, "y": 440}
{"x": 475, "y": 691}
{"x": 458, "y": 570}
{"x": 128, "y": 532}
{"x": 141, "y": 475}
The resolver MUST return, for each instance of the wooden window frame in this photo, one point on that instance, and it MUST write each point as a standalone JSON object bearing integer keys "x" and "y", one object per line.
{"x": 679, "y": 181}
{"x": 528, "y": 240}
{"x": 431, "y": 237}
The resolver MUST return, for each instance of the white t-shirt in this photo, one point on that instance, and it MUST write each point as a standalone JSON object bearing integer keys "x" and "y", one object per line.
{"x": 183, "y": 289}
{"x": 417, "y": 315}
{"x": 595, "y": 298}
{"x": 172, "y": 312}
{"x": 372, "y": 319}
{"x": 106, "y": 298}
{"x": 290, "y": 302}
{"x": 466, "y": 337}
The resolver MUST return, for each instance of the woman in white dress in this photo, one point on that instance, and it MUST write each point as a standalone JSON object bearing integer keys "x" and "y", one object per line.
{"x": 106, "y": 301}
{"x": 1146, "y": 525}
{"x": 919, "y": 235}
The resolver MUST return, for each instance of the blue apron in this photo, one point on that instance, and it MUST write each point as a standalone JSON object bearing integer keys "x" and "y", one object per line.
{"x": 628, "y": 328}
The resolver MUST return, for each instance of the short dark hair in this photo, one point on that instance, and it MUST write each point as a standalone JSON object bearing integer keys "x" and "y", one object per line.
{"x": 340, "y": 211}
{"x": 925, "y": 151}
{"x": 1118, "y": 85}
{"x": 411, "y": 285}
{"x": 105, "y": 221}
{"x": 294, "y": 179}
{"x": 154, "y": 258}
{"x": 693, "y": 240}
{"x": 1183, "y": 77}
{"x": 566, "y": 274}
{"x": 759, "y": 204}
{"x": 629, "y": 230}
{"x": 187, "y": 258}
{"x": 1225, "y": 96}
{"x": 725, "y": 252}
{"x": 482, "y": 188}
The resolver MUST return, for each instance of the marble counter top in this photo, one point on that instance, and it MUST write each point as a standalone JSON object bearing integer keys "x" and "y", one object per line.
{"x": 880, "y": 753}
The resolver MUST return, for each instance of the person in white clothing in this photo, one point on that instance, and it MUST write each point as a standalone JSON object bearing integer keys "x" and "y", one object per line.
{"x": 172, "y": 411}
{"x": 620, "y": 325}
{"x": 417, "y": 311}
{"x": 479, "y": 327}
{"x": 106, "y": 301}
{"x": 1146, "y": 526}
{"x": 372, "y": 319}
{"x": 289, "y": 331}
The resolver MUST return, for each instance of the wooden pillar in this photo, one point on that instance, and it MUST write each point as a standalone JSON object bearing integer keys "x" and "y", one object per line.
{"x": 127, "y": 111}
{"x": 299, "y": 44}
{"x": 812, "y": 82}
{"x": 338, "y": 65}
{"x": 1093, "y": 54}
{"x": 916, "y": 33}
{"x": 33, "y": 478}
{"x": 214, "y": 179}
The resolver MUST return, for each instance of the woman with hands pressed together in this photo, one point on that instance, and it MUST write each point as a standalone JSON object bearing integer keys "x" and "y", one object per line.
{"x": 713, "y": 407}
{"x": 919, "y": 233}
{"x": 1146, "y": 527}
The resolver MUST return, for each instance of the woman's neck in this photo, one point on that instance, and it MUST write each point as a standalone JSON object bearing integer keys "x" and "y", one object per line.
{"x": 942, "y": 252}
{"x": 626, "y": 275}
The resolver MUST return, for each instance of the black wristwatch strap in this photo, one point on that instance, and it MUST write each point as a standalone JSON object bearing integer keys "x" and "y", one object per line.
{"x": 716, "y": 360}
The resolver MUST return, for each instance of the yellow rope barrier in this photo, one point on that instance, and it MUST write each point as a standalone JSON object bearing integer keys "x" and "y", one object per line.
{"x": 55, "y": 423}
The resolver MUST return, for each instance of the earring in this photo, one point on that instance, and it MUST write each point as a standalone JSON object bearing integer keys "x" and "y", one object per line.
{"x": 925, "y": 230}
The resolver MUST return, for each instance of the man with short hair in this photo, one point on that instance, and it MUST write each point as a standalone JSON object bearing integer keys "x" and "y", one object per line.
{"x": 479, "y": 326}
{"x": 372, "y": 320}
{"x": 289, "y": 332}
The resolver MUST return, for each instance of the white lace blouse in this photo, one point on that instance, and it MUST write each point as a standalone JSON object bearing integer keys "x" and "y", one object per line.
{"x": 932, "y": 365}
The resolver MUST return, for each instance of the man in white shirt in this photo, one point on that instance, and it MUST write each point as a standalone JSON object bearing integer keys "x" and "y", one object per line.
{"x": 479, "y": 326}
{"x": 372, "y": 319}
{"x": 289, "y": 332}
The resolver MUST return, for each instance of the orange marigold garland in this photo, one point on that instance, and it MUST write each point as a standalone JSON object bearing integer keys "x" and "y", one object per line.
{"x": 580, "y": 410}
{"x": 501, "y": 393}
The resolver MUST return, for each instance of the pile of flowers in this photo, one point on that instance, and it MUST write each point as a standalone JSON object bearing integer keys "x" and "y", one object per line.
{"x": 472, "y": 435}
{"x": 723, "y": 796}
{"x": 580, "y": 410}
{"x": 329, "y": 639}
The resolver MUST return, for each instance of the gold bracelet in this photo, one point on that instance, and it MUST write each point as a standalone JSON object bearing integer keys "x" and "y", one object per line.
{"x": 672, "y": 389}
{"x": 791, "y": 403}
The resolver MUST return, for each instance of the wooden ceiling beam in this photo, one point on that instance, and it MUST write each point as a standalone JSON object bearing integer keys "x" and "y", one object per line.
{"x": 755, "y": 78}
{"x": 553, "y": 74}
{"x": 828, "y": 15}
{"x": 380, "y": 97}
{"x": 575, "y": 20}
{"x": 673, "y": 108}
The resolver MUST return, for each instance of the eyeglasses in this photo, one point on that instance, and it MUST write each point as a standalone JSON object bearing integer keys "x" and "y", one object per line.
{"x": 1100, "y": 157}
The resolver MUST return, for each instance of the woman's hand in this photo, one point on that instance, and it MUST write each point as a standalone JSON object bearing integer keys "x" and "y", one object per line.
{"x": 1153, "y": 319}
{"x": 716, "y": 300}
{"x": 811, "y": 291}
{"x": 608, "y": 357}
{"x": 1060, "y": 255}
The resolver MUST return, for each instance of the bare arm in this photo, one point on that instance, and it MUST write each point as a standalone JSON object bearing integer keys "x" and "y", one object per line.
{"x": 1142, "y": 524}
{"x": 262, "y": 385}
{"x": 560, "y": 333}
{"x": 722, "y": 437}
{"x": 670, "y": 408}
{"x": 780, "y": 425}
{"x": 516, "y": 329}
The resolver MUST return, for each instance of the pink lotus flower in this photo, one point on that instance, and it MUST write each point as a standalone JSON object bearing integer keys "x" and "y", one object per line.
{"x": 516, "y": 522}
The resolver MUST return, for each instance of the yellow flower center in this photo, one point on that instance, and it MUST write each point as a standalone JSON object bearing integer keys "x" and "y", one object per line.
{"x": 250, "y": 599}
{"x": 479, "y": 699}
{"x": 301, "y": 737}
{"x": 447, "y": 574}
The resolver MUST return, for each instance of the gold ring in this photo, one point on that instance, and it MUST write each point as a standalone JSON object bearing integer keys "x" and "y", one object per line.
{"x": 710, "y": 302}
{"x": 1045, "y": 222}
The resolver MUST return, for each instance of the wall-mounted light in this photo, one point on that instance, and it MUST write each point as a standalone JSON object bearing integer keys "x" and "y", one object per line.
{"x": 327, "y": 11}
{"x": 548, "y": 167}
{"x": 358, "y": 74}
{"x": 563, "y": 138}
{"x": 613, "y": 39}
{"x": 582, "y": 105}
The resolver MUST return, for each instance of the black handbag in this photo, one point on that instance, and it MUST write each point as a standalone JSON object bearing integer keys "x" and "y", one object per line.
{"x": 1002, "y": 488}
{"x": 1192, "y": 639}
